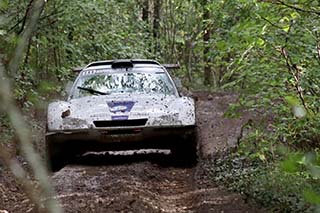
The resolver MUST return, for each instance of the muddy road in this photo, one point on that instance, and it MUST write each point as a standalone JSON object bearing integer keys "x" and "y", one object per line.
{"x": 140, "y": 182}
{"x": 140, "y": 187}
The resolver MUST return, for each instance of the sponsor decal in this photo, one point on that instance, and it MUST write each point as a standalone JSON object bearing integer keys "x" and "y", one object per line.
{"x": 120, "y": 106}
{"x": 119, "y": 118}
{"x": 93, "y": 72}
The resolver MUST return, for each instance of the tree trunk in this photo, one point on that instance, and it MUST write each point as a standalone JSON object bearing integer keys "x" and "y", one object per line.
{"x": 206, "y": 50}
{"x": 33, "y": 16}
{"x": 145, "y": 11}
{"x": 156, "y": 24}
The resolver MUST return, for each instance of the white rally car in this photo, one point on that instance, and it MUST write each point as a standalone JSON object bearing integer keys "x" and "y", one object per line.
{"x": 121, "y": 105}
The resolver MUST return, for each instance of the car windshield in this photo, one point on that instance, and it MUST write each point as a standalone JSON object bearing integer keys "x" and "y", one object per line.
{"x": 106, "y": 83}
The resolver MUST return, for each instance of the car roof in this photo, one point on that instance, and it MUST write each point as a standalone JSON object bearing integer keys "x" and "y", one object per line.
{"x": 112, "y": 65}
{"x": 124, "y": 63}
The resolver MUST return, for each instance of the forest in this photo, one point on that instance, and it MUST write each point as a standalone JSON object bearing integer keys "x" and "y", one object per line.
{"x": 267, "y": 52}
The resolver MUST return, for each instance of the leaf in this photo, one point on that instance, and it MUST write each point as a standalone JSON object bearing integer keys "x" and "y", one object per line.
{"x": 309, "y": 158}
{"x": 311, "y": 197}
{"x": 260, "y": 42}
{"x": 294, "y": 15}
{"x": 286, "y": 28}
{"x": 4, "y": 4}
{"x": 291, "y": 100}
{"x": 291, "y": 164}
{"x": 262, "y": 157}
{"x": 298, "y": 110}
{"x": 314, "y": 171}
{"x": 3, "y": 32}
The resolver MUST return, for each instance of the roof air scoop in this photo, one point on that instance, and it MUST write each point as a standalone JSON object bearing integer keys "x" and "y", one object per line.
{"x": 122, "y": 64}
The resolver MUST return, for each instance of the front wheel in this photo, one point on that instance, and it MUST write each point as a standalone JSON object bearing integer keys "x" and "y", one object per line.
{"x": 186, "y": 152}
{"x": 56, "y": 156}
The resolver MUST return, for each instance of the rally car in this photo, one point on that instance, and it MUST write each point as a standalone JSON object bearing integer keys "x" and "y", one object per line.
{"x": 121, "y": 105}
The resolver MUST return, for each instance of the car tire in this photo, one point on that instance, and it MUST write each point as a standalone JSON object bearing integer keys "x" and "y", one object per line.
{"x": 56, "y": 156}
{"x": 186, "y": 153}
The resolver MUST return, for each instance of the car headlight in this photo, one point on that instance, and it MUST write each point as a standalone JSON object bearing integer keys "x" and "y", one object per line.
{"x": 169, "y": 119}
{"x": 74, "y": 123}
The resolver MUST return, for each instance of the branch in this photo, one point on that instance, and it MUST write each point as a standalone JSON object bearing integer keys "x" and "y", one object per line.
{"x": 318, "y": 51}
{"x": 23, "y": 20}
{"x": 30, "y": 26}
{"x": 23, "y": 134}
{"x": 21, "y": 129}
{"x": 54, "y": 13}
{"x": 272, "y": 24}
{"x": 293, "y": 69}
{"x": 25, "y": 17}
{"x": 295, "y": 73}
{"x": 21, "y": 175}
{"x": 299, "y": 8}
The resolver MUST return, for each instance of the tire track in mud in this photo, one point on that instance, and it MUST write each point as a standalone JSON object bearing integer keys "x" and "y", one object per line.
{"x": 151, "y": 182}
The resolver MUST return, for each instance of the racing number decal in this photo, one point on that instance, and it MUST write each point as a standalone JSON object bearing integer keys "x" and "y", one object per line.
{"x": 120, "y": 107}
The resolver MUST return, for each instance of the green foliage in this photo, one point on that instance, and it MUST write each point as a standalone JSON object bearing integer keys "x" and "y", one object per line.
{"x": 287, "y": 88}
{"x": 245, "y": 44}
{"x": 269, "y": 52}
{"x": 311, "y": 196}
{"x": 270, "y": 186}
{"x": 70, "y": 34}
{"x": 281, "y": 178}
{"x": 277, "y": 72}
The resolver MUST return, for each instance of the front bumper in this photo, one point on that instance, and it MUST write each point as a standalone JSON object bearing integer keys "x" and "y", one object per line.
{"x": 122, "y": 138}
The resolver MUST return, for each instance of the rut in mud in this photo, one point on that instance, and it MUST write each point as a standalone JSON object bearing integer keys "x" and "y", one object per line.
{"x": 138, "y": 187}
{"x": 150, "y": 182}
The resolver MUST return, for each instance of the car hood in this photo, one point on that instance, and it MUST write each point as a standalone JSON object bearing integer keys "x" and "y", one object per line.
{"x": 157, "y": 110}
{"x": 100, "y": 106}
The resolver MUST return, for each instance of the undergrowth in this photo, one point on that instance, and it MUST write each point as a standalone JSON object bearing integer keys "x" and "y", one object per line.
{"x": 283, "y": 180}
{"x": 269, "y": 186}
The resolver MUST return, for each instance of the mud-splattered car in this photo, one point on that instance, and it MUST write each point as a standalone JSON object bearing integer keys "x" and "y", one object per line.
{"x": 121, "y": 105}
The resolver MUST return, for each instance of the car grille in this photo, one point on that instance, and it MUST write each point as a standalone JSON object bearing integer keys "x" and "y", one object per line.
{"x": 120, "y": 123}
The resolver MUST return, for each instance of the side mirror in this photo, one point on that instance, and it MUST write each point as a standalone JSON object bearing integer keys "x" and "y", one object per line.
{"x": 68, "y": 87}
{"x": 177, "y": 82}
{"x": 183, "y": 91}
{"x": 77, "y": 69}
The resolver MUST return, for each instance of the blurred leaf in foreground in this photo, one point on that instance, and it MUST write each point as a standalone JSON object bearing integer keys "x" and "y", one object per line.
{"x": 311, "y": 196}
{"x": 297, "y": 109}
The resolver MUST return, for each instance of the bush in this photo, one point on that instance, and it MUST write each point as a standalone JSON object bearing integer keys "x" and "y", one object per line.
{"x": 271, "y": 185}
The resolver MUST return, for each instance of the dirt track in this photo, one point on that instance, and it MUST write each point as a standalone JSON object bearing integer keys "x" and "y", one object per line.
{"x": 147, "y": 182}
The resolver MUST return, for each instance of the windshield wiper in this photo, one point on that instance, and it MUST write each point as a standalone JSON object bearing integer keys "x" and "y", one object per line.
{"x": 92, "y": 91}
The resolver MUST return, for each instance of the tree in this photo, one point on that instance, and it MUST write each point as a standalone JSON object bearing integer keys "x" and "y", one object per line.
{"x": 145, "y": 10}
{"x": 156, "y": 25}
{"x": 34, "y": 10}
{"x": 206, "y": 39}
